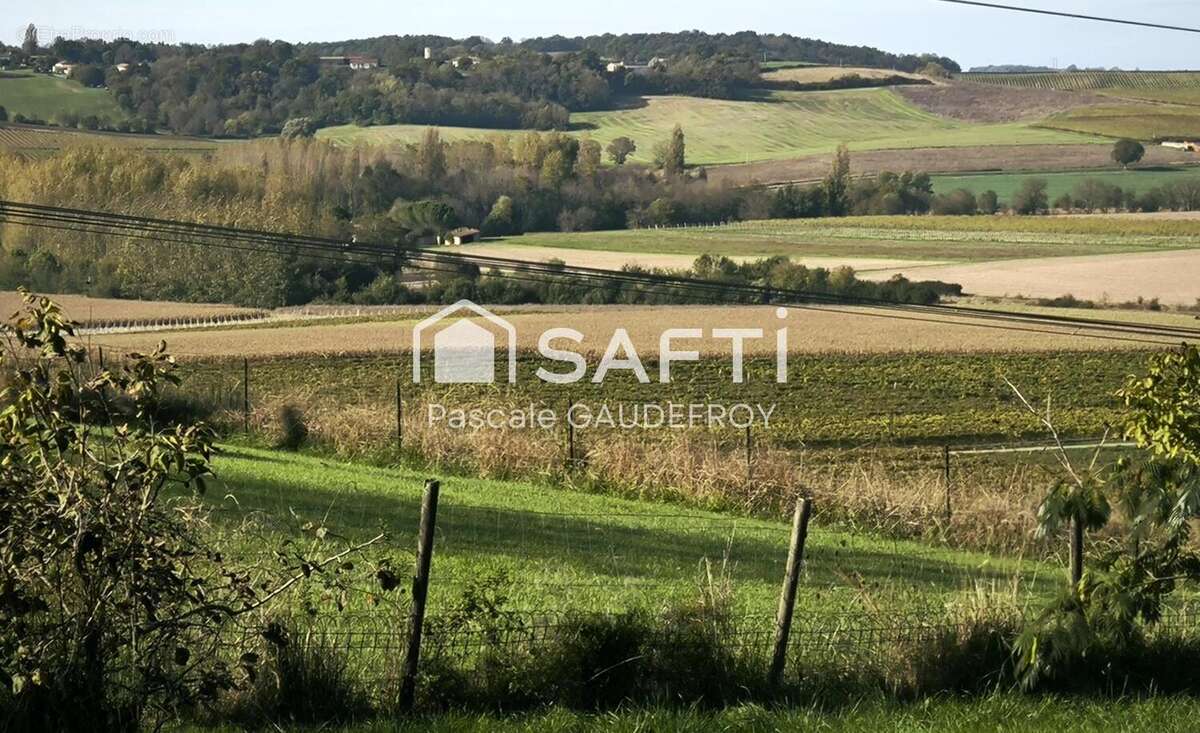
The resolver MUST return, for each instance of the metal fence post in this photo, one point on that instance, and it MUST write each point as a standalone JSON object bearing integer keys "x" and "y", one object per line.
{"x": 946, "y": 478}
{"x": 570, "y": 436}
{"x": 749, "y": 455}
{"x": 399, "y": 419}
{"x": 787, "y": 598}
{"x": 246, "y": 394}
{"x": 420, "y": 591}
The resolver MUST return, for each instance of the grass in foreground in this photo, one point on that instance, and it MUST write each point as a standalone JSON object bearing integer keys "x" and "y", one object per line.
{"x": 774, "y": 126}
{"x": 948, "y": 715}
{"x": 570, "y": 550}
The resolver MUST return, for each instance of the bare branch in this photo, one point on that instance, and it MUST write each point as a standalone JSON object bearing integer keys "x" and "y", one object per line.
{"x": 1045, "y": 420}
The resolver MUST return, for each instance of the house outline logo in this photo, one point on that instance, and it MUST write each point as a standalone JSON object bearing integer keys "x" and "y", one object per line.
{"x": 465, "y": 352}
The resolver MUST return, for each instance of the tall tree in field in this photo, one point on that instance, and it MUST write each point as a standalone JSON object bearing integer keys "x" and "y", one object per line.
{"x": 1031, "y": 197}
{"x": 620, "y": 149}
{"x": 675, "y": 153}
{"x": 837, "y": 184}
{"x": 431, "y": 156}
{"x": 30, "y": 46}
{"x": 1127, "y": 152}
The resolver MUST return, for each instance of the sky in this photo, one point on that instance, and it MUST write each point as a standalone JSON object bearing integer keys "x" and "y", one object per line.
{"x": 972, "y": 36}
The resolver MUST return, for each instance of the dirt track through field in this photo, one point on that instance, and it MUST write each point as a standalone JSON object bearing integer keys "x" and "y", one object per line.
{"x": 1172, "y": 277}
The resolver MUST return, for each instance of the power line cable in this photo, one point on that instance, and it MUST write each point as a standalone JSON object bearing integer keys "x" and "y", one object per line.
{"x": 176, "y": 232}
{"x": 1076, "y": 16}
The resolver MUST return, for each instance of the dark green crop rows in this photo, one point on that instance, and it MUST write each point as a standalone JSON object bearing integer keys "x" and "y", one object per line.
{"x": 828, "y": 399}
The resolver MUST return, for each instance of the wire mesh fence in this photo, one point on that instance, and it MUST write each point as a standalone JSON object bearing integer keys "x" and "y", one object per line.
{"x": 549, "y": 571}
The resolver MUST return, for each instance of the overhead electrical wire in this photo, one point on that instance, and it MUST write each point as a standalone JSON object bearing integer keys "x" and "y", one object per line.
{"x": 1075, "y": 16}
{"x": 700, "y": 290}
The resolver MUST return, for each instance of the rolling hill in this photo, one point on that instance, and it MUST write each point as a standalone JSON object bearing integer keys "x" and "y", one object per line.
{"x": 45, "y": 97}
{"x": 774, "y": 126}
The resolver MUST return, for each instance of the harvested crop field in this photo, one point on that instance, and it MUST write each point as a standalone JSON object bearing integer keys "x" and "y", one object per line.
{"x": 83, "y": 309}
{"x": 985, "y": 103}
{"x": 925, "y": 238}
{"x": 994, "y": 158}
{"x": 812, "y": 330}
{"x": 33, "y": 141}
{"x": 822, "y": 74}
{"x": 1171, "y": 277}
{"x": 616, "y": 259}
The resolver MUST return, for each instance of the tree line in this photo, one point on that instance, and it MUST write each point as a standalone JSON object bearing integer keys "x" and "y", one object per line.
{"x": 641, "y": 47}
{"x": 246, "y": 90}
{"x": 406, "y": 197}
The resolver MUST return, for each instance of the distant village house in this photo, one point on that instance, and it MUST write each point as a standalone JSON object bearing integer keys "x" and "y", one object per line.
{"x": 460, "y": 236}
{"x": 1191, "y": 147}
{"x": 62, "y": 68}
{"x": 358, "y": 63}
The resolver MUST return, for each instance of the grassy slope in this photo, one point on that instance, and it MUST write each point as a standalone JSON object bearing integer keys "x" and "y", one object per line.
{"x": 940, "y": 238}
{"x": 638, "y": 555}
{"x": 778, "y": 126}
{"x": 45, "y": 97}
{"x": 1006, "y": 184}
{"x": 1131, "y": 119}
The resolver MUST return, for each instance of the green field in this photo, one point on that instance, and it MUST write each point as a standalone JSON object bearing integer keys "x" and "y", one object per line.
{"x": 1189, "y": 95}
{"x": 1139, "y": 121}
{"x": 776, "y": 126}
{"x": 906, "y": 237}
{"x": 45, "y": 97}
{"x": 1006, "y": 184}
{"x": 904, "y": 398}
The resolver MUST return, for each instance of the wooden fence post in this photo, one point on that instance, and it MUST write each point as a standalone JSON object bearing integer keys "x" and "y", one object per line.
{"x": 787, "y": 598}
{"x": 246, "y": 395}
{"x": 1076, "y": 550}
{"x": 946, "y": 478}
{"x": 420, "y": 591}
{"x": 100, "y": 349}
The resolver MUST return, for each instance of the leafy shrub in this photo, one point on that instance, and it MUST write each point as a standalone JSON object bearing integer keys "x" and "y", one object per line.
{"x": 305, "y": 680}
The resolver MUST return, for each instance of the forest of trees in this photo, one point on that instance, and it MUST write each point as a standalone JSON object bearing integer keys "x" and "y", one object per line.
{"x": 641, "y": 47}
{"x": 533, "y": 182}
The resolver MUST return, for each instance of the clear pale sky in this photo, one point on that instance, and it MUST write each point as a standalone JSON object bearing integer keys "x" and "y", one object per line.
{"x": 973, "y": 36}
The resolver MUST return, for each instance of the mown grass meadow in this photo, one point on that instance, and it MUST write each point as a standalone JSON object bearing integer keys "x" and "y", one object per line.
{"x": 769, "y": 126}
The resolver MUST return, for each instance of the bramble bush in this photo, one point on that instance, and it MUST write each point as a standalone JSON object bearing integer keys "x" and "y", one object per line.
{"x": 113, "y": 596}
